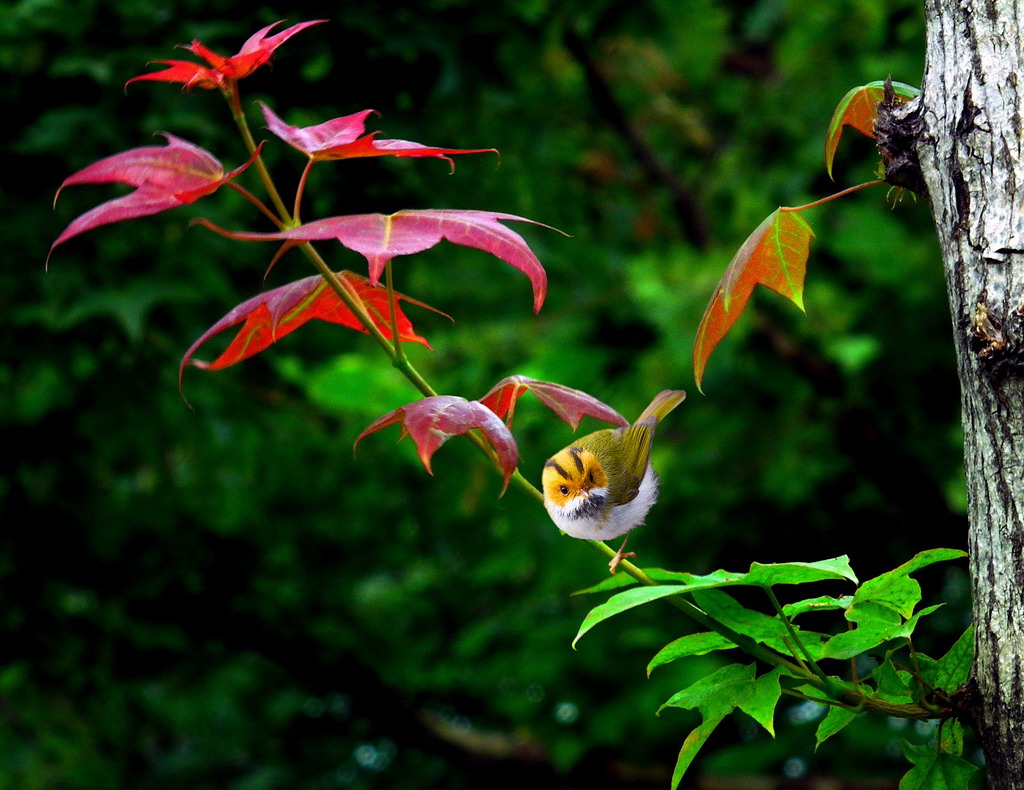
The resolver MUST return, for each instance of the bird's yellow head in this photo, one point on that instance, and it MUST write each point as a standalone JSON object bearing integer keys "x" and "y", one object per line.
{"x": 572, "y": 473}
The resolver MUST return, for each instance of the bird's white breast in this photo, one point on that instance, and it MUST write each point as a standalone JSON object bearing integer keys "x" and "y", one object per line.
{"x": 577, "y": 519}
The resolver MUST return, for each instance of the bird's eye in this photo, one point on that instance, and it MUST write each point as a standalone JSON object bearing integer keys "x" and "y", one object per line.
{"x": 564, "y": 490}
{"x": 591, "y": 478}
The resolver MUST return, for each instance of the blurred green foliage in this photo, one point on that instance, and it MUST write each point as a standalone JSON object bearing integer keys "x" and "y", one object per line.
{"x": 226, "y": 598}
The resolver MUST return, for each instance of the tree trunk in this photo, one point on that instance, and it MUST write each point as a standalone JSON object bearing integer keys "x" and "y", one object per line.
{"x": 970, "y": 151}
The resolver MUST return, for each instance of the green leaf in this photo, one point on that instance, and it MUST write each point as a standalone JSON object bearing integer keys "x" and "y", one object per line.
{"x": 756, "y": 625}
{"x": 929, "y": 557}
{"x": 624, "y": 602}
{"x": 689, "y": 645}
{"x": 728, "y": 611}
{"x": 718, "y": 693}
{"x": 758, "y": 576}
{"x": 954, "y": 668}
{"x": 822, "y": 603}
{"x": 616, "y": 582}
{"x": 620, "y": 580}
{"x": 892, "y": 684}
{"x": 951, "y": 737}
{"x": 872, "y": 631}
{"x": 834, "y": 721}
{"x": 764, "y": 696}
{"x": 698, "y": 735}
{"x": 872, "y": 614}
{"x": 717, "y": 578}
{"x": 799, "y": 572}
{"x": 935, "y": 770}
{"x": 894, "y": 590}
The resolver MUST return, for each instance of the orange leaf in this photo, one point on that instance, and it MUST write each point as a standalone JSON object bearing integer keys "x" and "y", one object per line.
{"x": 774, "y": 255}
{"x": 433, "y": 421}
{"x": 858, "y": 109}
{"x": 270, "y": 316}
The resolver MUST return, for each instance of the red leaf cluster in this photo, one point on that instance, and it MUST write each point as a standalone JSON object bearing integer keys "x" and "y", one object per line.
{"x": 432, "y": 421}
{"x": 219, "y": 70}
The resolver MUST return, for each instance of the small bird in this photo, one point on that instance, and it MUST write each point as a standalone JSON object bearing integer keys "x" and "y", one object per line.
{"x": 602, "y": 485}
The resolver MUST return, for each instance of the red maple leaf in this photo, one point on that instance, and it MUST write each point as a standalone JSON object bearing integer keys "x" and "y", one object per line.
{"x": 433, "y": 421}
{"x": 381, "y": 237}
{"x": 219, "y": 69}
{"x": 344, "y": 138}
{"x": 270, "y": 316}
{"x": 164, "y": 178}
{"x": 569, "y": 404}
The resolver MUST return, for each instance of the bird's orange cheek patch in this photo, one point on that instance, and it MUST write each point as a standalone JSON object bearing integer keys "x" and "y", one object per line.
{"x": 596, "y": 478}
{"x": 552, "y": 482}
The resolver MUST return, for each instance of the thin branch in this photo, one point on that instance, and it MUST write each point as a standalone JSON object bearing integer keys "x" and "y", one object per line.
{"x": 257, "y": 203}
{"x": 793, "y": 634}
{"x": 836, "y": 195}
{"x": 231, "y": 94}
{"x": 393, "y": 311}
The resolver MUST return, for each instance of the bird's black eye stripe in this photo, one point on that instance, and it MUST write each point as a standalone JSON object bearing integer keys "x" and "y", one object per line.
{"x": 557, "y": 468}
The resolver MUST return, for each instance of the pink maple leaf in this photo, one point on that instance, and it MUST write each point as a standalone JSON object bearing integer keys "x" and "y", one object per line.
{"x": 344, "y": 138}
{"x": 431, "y": 422}
{"x": 164, "y": 178}
{"x": 381, "y": 237}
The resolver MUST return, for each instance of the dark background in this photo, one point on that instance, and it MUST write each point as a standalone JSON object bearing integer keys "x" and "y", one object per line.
{"x": 227, "y": 598}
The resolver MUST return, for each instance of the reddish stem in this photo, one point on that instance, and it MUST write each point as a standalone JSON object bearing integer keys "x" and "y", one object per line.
{"x": 843, "y": 193}
{"x": 301, "y": 188}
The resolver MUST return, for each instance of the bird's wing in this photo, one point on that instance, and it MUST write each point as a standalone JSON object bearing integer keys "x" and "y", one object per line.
{"x": 636, "y": 443}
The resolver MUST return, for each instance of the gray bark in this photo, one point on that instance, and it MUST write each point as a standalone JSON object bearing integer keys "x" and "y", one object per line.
{"x": 970, "y": 151}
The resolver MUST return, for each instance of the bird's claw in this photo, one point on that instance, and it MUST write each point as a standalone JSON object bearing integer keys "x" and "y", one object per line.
{"x": 619, "y": 557}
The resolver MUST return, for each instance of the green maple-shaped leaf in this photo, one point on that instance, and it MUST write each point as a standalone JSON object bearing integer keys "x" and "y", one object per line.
{"x": 935, "y": 770}
{"x": 719, "y": 694}
{"x": 774, "y": 255}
